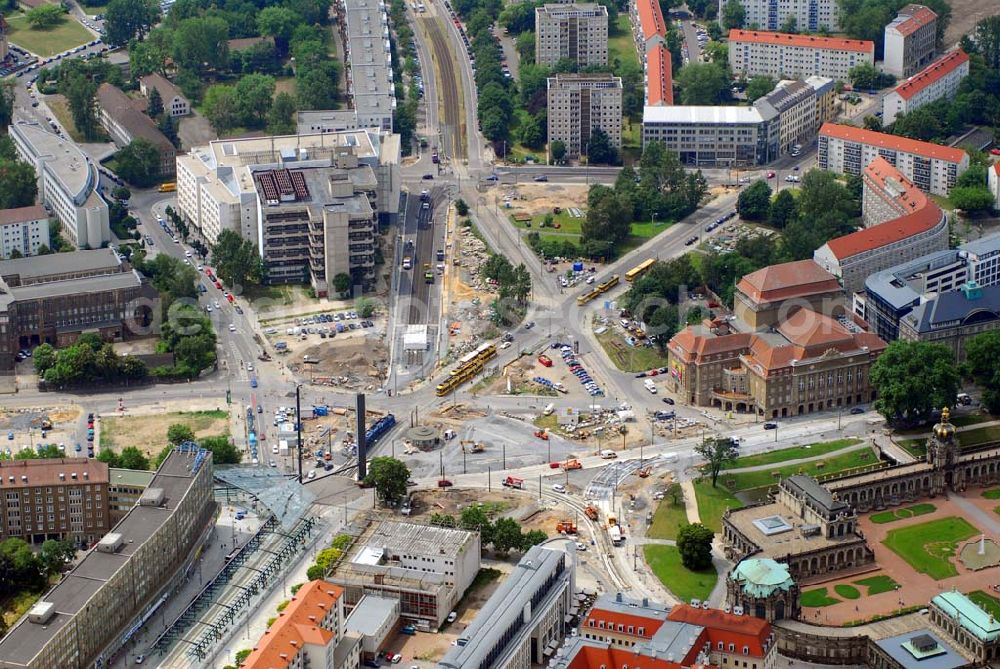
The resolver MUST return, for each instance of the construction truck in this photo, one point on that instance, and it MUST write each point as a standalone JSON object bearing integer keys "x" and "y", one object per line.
{"x": 513, "y": 482}
{"x": 614, "y": 531}
{"x": 472, "y": 446}
{"x": 542, "y": 434}
{"x": 572, "y": 464}
{"x": 566, "y": 527}
{"x": 591, "y": 512}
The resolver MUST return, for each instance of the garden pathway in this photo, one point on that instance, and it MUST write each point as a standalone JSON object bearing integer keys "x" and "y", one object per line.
{"x": 797, "y": 461}
{"x": 990, "y": 523}
{"x": 721, "y": 564}
{"x": 964, "y": 428}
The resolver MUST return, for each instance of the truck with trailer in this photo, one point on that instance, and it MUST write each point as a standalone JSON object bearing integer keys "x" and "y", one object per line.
{"x": 513, "y": 482}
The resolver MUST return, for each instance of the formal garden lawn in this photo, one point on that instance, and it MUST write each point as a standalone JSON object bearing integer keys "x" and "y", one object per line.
{"x": 992, "y": 494}
{"x": 901, "y": 514}
{"x": 878, "y": 584}
{"x": 793, "y": 453}
{"x": 665, "y": 561}
{"x": 712, "y": 503}
{"x": 846, "y": 591}
{"x": 767, "y": 477}
{"x": 66, "y": 35}
{"x": 817, "y": 598}
{"x": 928, "y": 547}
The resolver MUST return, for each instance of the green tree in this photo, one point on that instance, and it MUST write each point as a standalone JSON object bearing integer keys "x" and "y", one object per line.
{"x": 754, "y": 201}
{"x": 558, "y": 150}
{"x": 717, "y": 453}
{"x": 971, "y": 199}
{"x": 125, "y": 20}
{"x": 314, "y": 573}
{"x": 461, "y": 207}
{"x": 132, "y": 458}
{"x": 443, "y": 520}
{"x": 200, "y": 44}
{"x": 139, "y": 163}
{"x": 54, "y": 555}
{"x": 506, "y": 535}
{"x": 178, "y": 433}
{"x": 913, "y": 378}
{"x": 236, "y": 259}
{"x": 694, "y": 543}
{"x": 44, "y": 356}
{"x": 790, "y": 25}
{"x": 161, "y": 456}
{"x": 599, "y": 149}
{"x": 224, "y": 452}
{"x": 365, "y": 307}
{"x": 279, "y": 23}
{"x": 221, "y": 108}
{"x": 987, "y": 41}
{"x": 108, "y": 457}
{"x": 733, "y": 14}
{"x": 341, "y": 283}
{"x": 759, "y": 86}
{"x": 982, "y": 353}
{"x": 45, "y": 17}
{"x": 389, "y": 476}
{"x": 7, "y": 115}
{"x": 121, "y": 193}
{"x": 532, "y": 538}
{"x": 474, "y": 518}
{"x": 81, "y": 91}
{"x": 253, "y": 95}
{"x": 18, "y": 184}
{"x": 155, "y": 105}
{"x": 784, "y": 209}
{"x": 869, "y": 77}
{"x": 281, "y": 117}
{"x": 703, "y": 84}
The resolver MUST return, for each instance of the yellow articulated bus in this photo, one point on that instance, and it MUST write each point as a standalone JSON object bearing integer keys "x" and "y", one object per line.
{"x": 598, "y": 291}
{"x": 468, "y": 366}
{"x": 168, "y": 187}
{"x": 639, "y": 270}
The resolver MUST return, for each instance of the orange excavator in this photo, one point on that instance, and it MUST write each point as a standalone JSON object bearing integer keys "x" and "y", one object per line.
{"x": 566, "y": 527}
{"x": 591, "y": 512}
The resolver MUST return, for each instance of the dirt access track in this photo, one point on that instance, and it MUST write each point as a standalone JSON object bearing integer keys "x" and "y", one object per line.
{"x": 965, "y": 14}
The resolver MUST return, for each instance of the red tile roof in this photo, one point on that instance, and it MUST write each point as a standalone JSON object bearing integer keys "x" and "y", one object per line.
{"x": 648, "y": 623}
{"x": 589, "y": 656}
{"x": 295, "y": 626}
{"x": 943, "y": 66}
{"x": 807, "y": 329}
{"x": 659, "y": 77}
{"x": 918, "y": 214}
{"x": 787, "y": 280}
{"x": 727, "y": 628}
{"x": 807, "y": 41}
{"x": 651, "y": 19}
{"x": 35, "y": 212}
{"x": 920, "y": 16}
{"x": 691, "y": 347}
{"x": 891, "y": 142}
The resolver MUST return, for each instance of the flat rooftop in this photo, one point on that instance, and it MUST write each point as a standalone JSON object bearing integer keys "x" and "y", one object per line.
{"x": 922, "y": 648}
{"x": 90, "y": 284}
{"x": 702, "y": 115}
{"x": 777, "y": 546}
{"x": 38, "y": 267}
{"x": 370, "y": 614}
{"x": 415, "y": 540}
{"x": 129, "y": 477}
{"x": 26, "y": 639}
{"x": 62, "y": 157}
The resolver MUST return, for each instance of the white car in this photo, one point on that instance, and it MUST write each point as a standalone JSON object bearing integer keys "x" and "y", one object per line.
{"x": 312, "y": 474}
{"x": 506, "y": 344}
{"x": 559, "y": 487}
{"x": 249, "y": 368}
{"x": 580, "y": 546}
{"x": 232, "y": 328}
{"x": 452, "y": 617}
{"x": 215, "y": 303}
{"x": 201, "y": 267}
{"x": 208, "y": 309}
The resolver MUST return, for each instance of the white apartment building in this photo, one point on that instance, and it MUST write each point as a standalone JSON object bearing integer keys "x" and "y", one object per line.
{"x": 364, "y": 27}
{"x": 939, "y": 80}
{"x": 993, "y": 181}
{"x": 709, "y": 136}
{"x": 810, "y": 15}
{"x": 576, "y": 32}
{"x": 66, "y": 183}
{"x": 216, "y": 191}
{"x": 23, "y": 230}
{"x": 579, "y": 104}
{"x": 933, "y": 168}
{"x": 910, "y": 41}
{"x": 784, "y": 55}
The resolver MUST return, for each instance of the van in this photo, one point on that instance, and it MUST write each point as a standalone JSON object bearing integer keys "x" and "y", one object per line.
{"x": 549, "y": 408}
{"x": 608, "y": 454}
{"x": 650, "y": 386}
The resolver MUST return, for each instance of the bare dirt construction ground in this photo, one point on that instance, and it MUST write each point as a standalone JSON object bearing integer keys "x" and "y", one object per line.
{"x": 352, "y": 363}
{"x": 21, "y": 422}
{"x": 468, "y": 294}
{"x": 149, "y": 433}
{"x": 541, "y": 198}
{"x": 965, "y": 14}
{"x": 452, "y": 501}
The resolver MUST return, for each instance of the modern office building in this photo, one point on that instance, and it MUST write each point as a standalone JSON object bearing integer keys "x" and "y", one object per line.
{"x": 364, "y": 28}
{"x": 952, "y": 318}
{"x": 659, "y": 77}
{"x": 65, "y": 498}
{"x": 82, "y": 622}
{"x": 810, "y": 15}
{"x": 120, "y": 116}
{"x": 938, "y": 80}
{"x": 54, "y": 298}
{"x": 576, "y": 32}
{"x": 910, "y": 41}
{"x": 23, "y": 230}
{"x": 892, "y": 293}
{"x": 309, "y": 632}
{"x": 622, "y": 632}
{"x": 125, "y": 488}
{"x": 67, "y": 180}
{"x": 523, "y": 623}
{"x": 174, "y": 102}
{"x": 707, "y": 136}
{"x": 902, "y": 223}
{"x": 216, "y": 190}
{"x": 790, "y": 56}
{"x": 792, "y": 348}
{"x": 579, "y": 104}
{"x": 317, "y": 222}
{"x": 427, "y": 568}
{"x": 933, "y": 168}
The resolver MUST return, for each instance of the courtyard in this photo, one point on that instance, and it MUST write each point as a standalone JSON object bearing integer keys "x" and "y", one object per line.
{"x": 917, "y": 556}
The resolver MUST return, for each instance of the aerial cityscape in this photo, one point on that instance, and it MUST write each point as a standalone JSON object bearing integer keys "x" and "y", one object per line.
{"x": 500, "y": 334}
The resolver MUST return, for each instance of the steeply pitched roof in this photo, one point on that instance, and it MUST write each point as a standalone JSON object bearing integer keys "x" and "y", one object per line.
{"x": 786, "y": 280}
{"x": 807, "y": 41}
{"x": 911, "y": 18}
{"x": 167, "y": 89}
{"x": 940, "y": 68}
{"x": 969, "y": 615}
{"x": 659, "y": 77}
{"x": 809, "y": 330}
{"x": 122, "y": 109}
{"x": 650, "y": 19}
{"x": 727, "y": 628}
{"x": 891, "y": 142}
